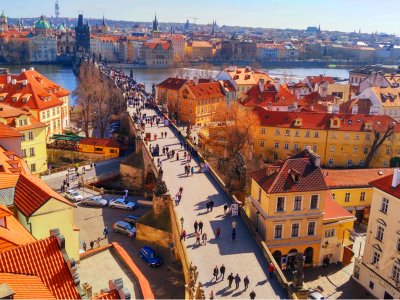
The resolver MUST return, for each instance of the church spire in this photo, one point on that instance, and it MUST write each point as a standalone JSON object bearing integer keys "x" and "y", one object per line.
{"x": 104, "y": 21}
{"x": 155, "y": 23}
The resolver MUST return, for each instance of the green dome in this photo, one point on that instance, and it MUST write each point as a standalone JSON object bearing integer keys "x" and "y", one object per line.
{"x": 42, "y": 24}
{"x": 2, "y": 16}
{"x": 61, "y": 28}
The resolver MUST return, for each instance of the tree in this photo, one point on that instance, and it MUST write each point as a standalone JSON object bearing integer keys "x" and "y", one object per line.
{"x": 379, "y": 139}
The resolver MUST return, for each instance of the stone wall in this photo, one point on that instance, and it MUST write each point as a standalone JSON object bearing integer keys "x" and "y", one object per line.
{"x": 153, "y": 235}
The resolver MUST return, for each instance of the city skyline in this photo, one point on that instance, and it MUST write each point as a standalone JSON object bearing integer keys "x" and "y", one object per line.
{"x": 266, "y": 14}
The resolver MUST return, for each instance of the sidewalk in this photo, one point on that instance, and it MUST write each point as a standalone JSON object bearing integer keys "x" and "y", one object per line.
{"x": 241, "y": 257}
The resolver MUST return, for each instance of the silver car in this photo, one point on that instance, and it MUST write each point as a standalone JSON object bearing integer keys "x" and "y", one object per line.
{"x": 95, "y": 201}
{"x": 73, "y": 195}
{"x": 122, "y": 203}
{"x": 124, "y": 228}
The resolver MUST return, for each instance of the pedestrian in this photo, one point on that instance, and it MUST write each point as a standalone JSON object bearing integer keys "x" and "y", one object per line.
{"x": 195, "y": 226}
{"x": 211, "y": 295}
{"x": 105, "y": 232}
{"x": 215, "y": 273}
{"x": 271, "y": 269}
{"x": 192, "y": 170}
{"x": 246, "y": 282}
{"x": 252, "y": 295}
{"x": 177, "y": 156}
{"x": 181, "y": 144}
{"x": 208, "y": 205}
{"x": 183, "y": 235}
{"x": 84, "y": 246}
{"x": 237, "y": 280}
{"x": 98, "y": 242}
{"x": 204, "y": 238}
{"x": 91, "y": 245}
{"x": 225, "y": 209}
{"x": 198, "y": 238}
{"x": 233, "y": 235}
{"x": 165, "y": 134}
{"x": 201, "y": 226}
{"x": 176, "y": 198}
{"x": 180, "y": 190}
{"x": 218, "y": 232}
{"x": 230, "y": 279}
{"x": 211, "y": 204}
{"x": 179, "y": 198}
{"x": 234, "y": 224}
{"x": 184, "y": 155}
{"x": 222, "y": 271}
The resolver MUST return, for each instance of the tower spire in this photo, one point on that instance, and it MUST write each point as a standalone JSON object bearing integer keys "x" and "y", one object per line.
{"x": 57, "y": 9}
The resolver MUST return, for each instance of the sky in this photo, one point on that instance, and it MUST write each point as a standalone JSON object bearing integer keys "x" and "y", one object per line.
{"x": 343, "y": 15}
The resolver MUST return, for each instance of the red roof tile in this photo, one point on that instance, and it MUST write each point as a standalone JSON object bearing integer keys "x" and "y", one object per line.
{"x": 335, "y": 211}
{"x": 7, "y": 131}
{"x": 26, "y": 287}
{"x": 42, "y": 259}
{"x": 172, "y": 83}
{"x": 385, "y": 184}
{"x": 354, "y": 177}
{"x": 99, "y": 142}
{"x": 206, "y": 90}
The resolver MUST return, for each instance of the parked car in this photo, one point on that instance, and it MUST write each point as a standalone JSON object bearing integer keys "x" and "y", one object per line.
{"x": 73, "y": 195}
{"x": 149, "y": 256}
{"x": 94, "y": 201}
{"x": 316, "y": 296}
{"x": 131, "y": 219}
{"x": 124, "y": 228}
{"x": 122, "y": 203}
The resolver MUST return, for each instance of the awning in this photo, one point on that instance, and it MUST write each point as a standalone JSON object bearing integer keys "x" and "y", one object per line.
{"x": 66, "y": 137}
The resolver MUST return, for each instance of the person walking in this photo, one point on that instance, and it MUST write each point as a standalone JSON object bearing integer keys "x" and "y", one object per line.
{"x": 91, "y": 245}
{"x": 198, "y": 238}
{"x": 211, "y": 295}
{"x": 196, "y": 225}
{"x": 98, "y": 242}
{"x": 234, "y": 224}
{"x": 208, "y": 205}
{"x": 180, "y": 190}
{"x": 222, "y": 271}
{"x": 233, "y": 235}
{"x": 176, "y": 198}
{"x": 211, "y": 204}
{"x": 218, "y": 233}
{"x": 84, "y": 246}
{"x": 246, "y": 282}
{"x": 230, "y": 279}
{"x": 215, "y": 273}
{"x": 105, "y": 232}
{"x": 165, "y": 134}
{"x": 252, "y": 295}
{"x": 204, "y": 238}
{"x": 201, "y": 226}
{"x": 183, "y": 235}
{"x": 192, "y": 170}
{"x": 271, "y": 269}
{"x": 225, "y": 209}
{"x": 237, "y": 281}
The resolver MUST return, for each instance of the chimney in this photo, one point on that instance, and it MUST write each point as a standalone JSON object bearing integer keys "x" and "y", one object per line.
{"x": 23, "y": 70}
{"x": 32, "y": 68}
{"x": 354, "y": 109}
{"x": 8, "y": 79}
{"x": 25, "y": 82}
{"x": 13, "y": 81}
{"x": 261, "y": 85}
{"x": 396, "y": 178}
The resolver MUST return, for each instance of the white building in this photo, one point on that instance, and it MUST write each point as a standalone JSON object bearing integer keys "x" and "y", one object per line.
{"x": 108, "y": 47}
{"x": 43, "y": 48}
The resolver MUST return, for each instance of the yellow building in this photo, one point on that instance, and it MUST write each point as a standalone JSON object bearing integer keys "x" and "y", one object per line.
{"x": 378, "y": 270}
{"x": 33, "y": 140}
{"x": 288, "y": 207}
{"x": 106, "y": 147}
{"x": 342, "y": 140}
{"x": 352, "y": 191}
{"x": 199, "y": 50}
{"x": 168, "y": 91}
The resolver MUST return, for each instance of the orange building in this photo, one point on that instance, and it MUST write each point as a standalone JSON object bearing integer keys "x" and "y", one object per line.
{"x": 107, "y": 147}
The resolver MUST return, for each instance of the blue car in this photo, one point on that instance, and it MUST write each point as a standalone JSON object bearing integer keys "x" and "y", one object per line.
{"x": 149, "y": 256}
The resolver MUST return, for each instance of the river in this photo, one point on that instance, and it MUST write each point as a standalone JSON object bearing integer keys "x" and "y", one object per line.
{"x": 66, "y": 78}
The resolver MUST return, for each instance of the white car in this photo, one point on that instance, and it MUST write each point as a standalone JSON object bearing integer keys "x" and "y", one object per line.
{"x": 73, "y": 195}
{"x": 122, "y": 203}
{"x": 94, "y": 201}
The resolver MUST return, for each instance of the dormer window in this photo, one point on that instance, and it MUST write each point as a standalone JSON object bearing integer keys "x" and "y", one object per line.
{"x": 298, "y": 122}
{"x": 334, "y": 122}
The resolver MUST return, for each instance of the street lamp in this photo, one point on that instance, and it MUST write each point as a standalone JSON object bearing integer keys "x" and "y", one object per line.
{"x": 182, "y": 221}
{"x": 257, "y": 215}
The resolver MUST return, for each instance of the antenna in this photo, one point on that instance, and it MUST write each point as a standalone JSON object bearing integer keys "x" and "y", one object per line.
{"x": 57, "y": 9}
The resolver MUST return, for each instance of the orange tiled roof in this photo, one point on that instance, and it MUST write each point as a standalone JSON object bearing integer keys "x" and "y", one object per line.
{"x": 9, "y": 113}
{"x": 335, "y": 211}
{"x": 353, "y": 178}
{"x": 32, "y": 192}
{"x": 99, "y": 142}
{"x": 385, "y": 184}
{"x": 42, "y": 259}
{"x": 26, "y": 286}
{"x": 172, "y": 83}
{"x": 154, "y": 45}
{"x": 7, "y": 131}
{"x": 13, "y": 234}
{"x": 11, "y": 163}
{"x": 206, "y": 90}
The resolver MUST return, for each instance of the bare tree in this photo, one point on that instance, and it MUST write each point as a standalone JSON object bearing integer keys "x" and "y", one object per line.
{"x": 379, "y": 139}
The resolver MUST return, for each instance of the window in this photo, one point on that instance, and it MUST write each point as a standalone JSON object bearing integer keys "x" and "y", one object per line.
{"x": 23, "y": 137}
{"x": 296, "y": 147}
{"x": 379, "y": 233}
{"x": 297, "y": 203}
{"x": 43, "y": 115}
{"x": 334, "y": 135}
{"x": 276, "y": 145}
{"x": 295, "y": 229}
{"x": 384, "y": 205}
{"x": 329, "y": 233}
{"x": 278, "y": 231}
{"x": 350, "y": 163}
{"x": 48, "y": 113}
{"x": 362, "y": 196}
{"x": 357, "y": 136}
{"x": 286, "y": 146}
{"x": 316, "y": 134}
{"x": 361, "y": 163}
{"x": 33, "y": 167}
{"x": 346, "y": 136}
{"x": 385, "y": 163}
{"x": 262, "y": 130}
{"x": 32, "y": 151}
{"x": 277, "y": 132}
{"x": 371, "y": 285}
{"x": 367, "y": 136}
{"x": 307, "y": 134}
{"x": 297, "y": 133}
{"x": 331, "y": 161}
{"x": 262, "y": 143}
{"x": 287, "y": 132}
{"x": 376, "y": 257}
{"x": 347, "y": 197}
{"x": 23, "y": 152}
{"x": 314, "y": 202}
{"x": 333, "y": 196}
{"x": 315, "y": 148}
{"x": 280, "y": 204}
{"x": 365, "y": 151}
{"x": 20, "y": 122}
{"x": 332, "y": 148}
{"x": 396, "y": 272}
{"x": 311, "y": 229}
{"x": 355, "y": 150}
{"x": 30, "y": 135}
{"x": 388, "y": 151}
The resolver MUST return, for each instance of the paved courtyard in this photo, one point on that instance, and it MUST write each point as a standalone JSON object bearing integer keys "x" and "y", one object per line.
{"x": 241, "y": 257}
